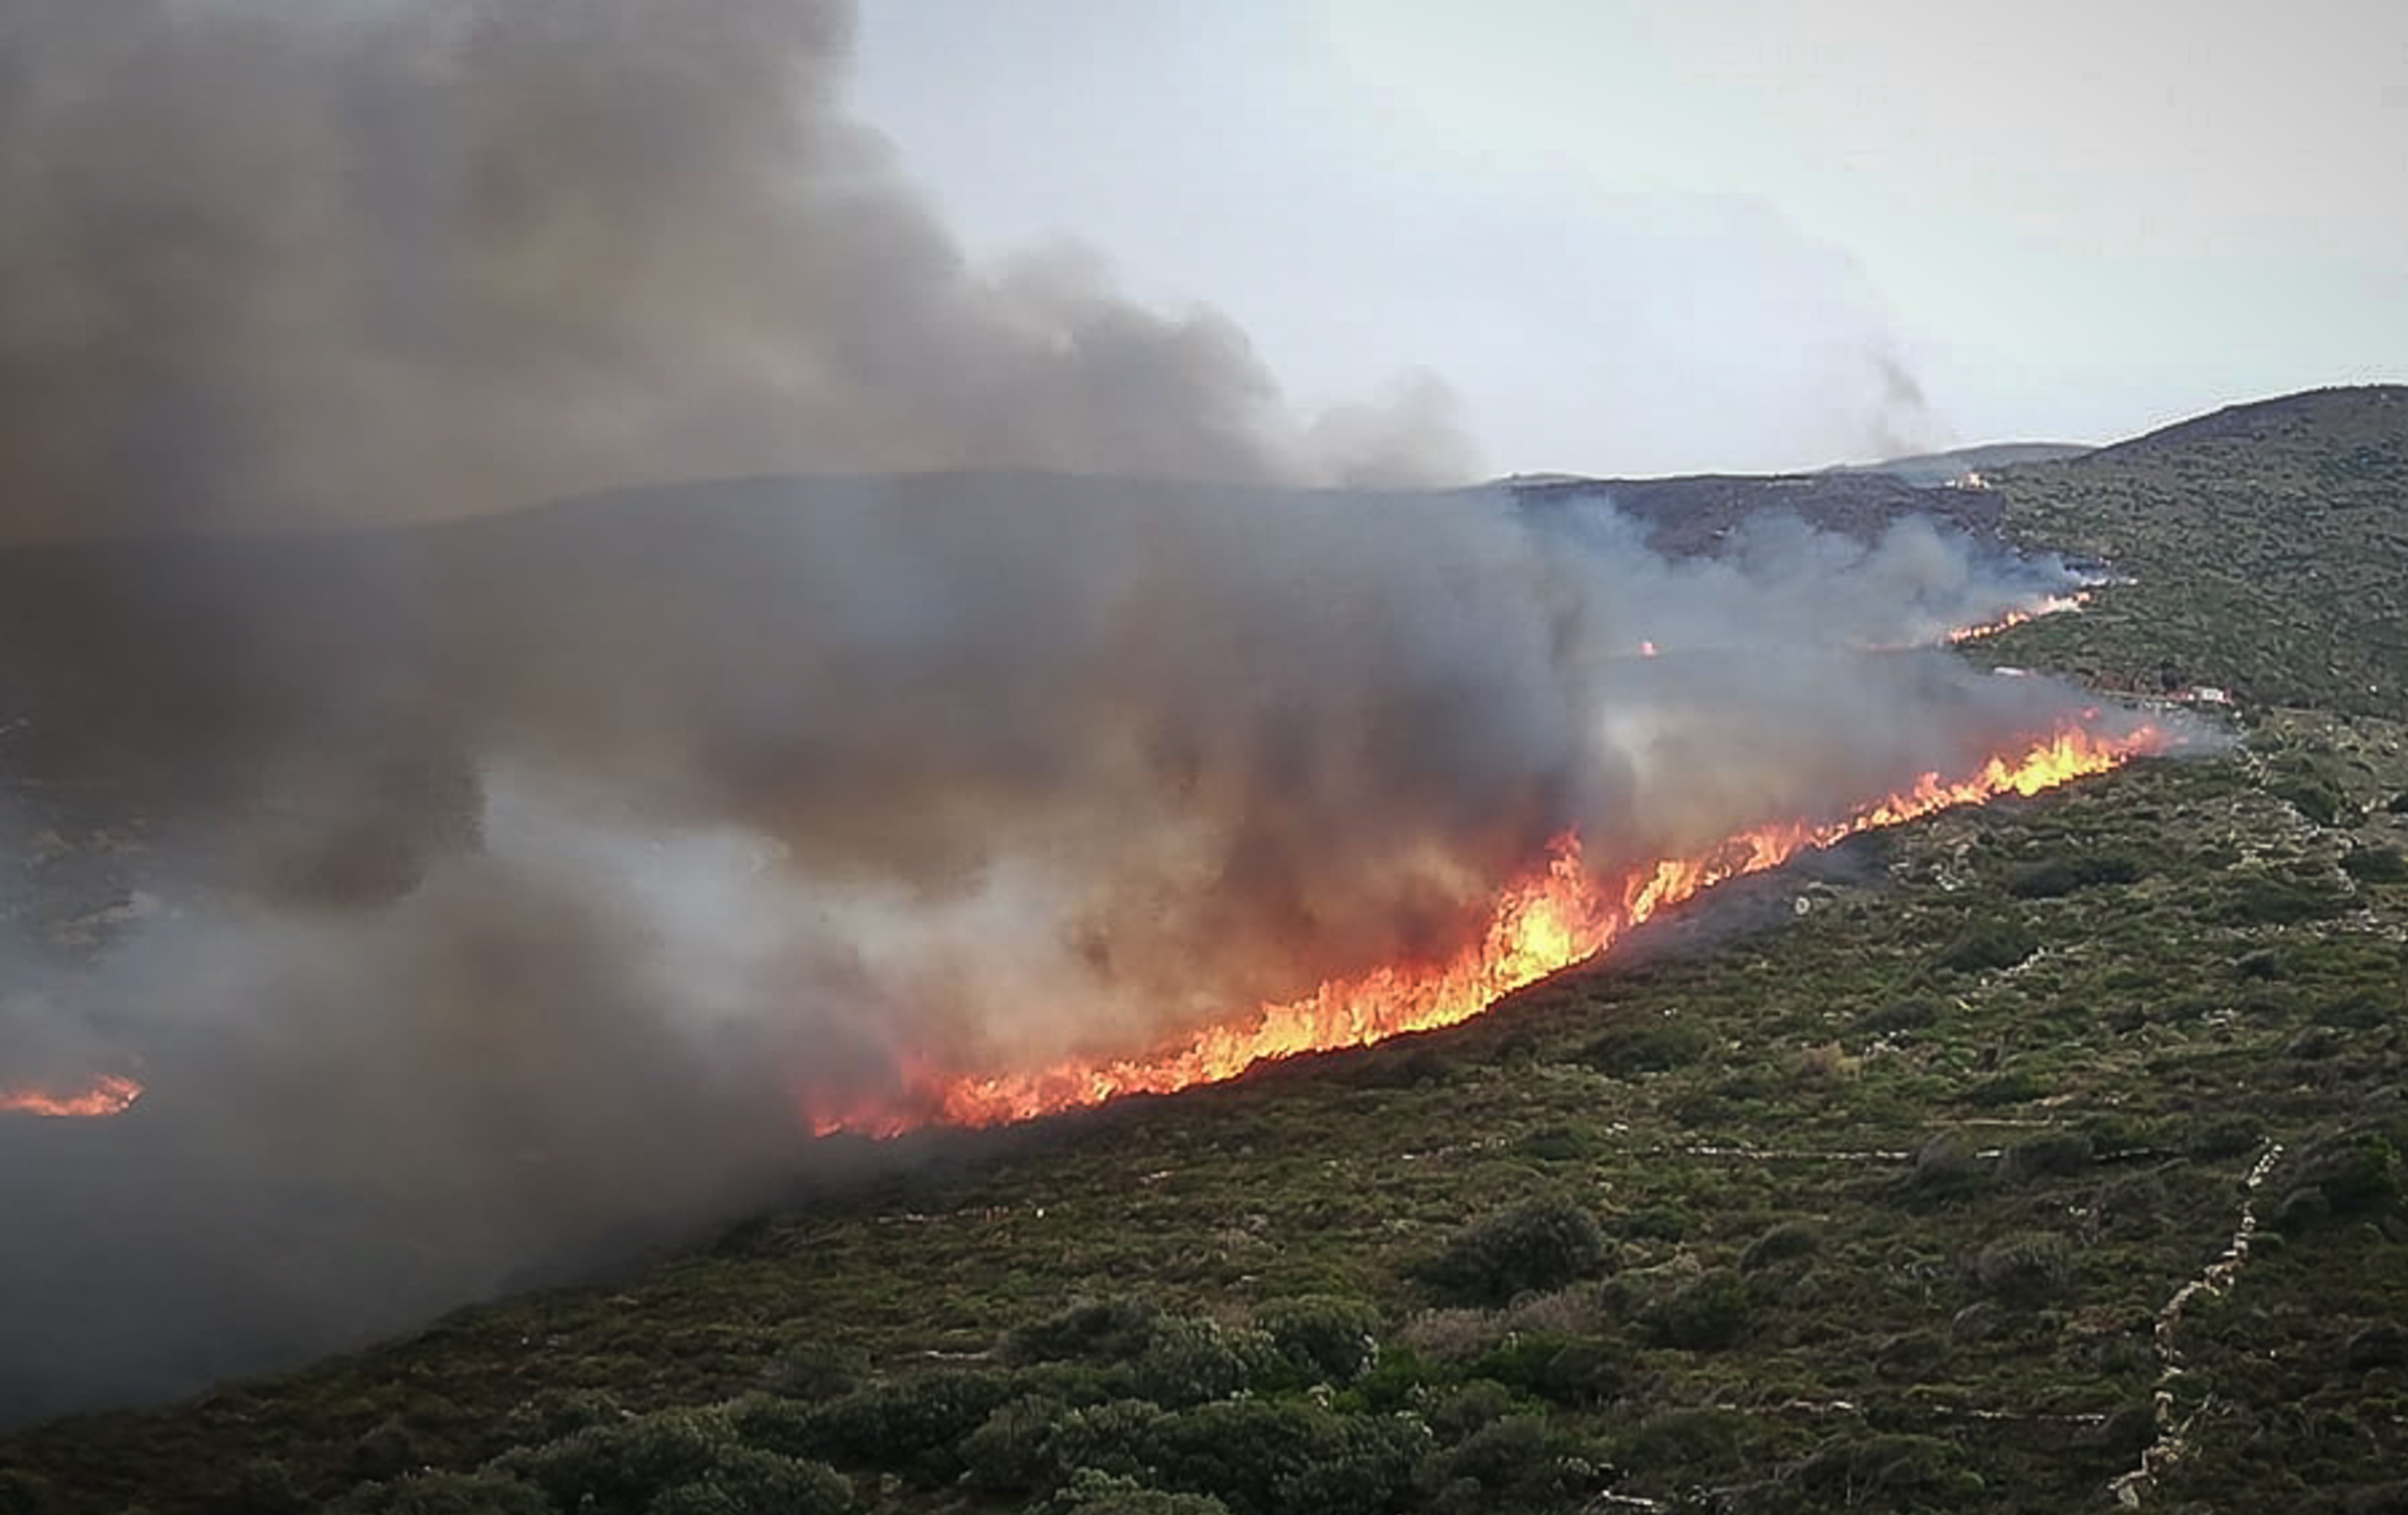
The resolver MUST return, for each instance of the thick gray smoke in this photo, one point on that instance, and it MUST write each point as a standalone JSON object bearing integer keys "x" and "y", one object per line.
{"x": 377, "y": 260}
{"x": 467, "y": 893}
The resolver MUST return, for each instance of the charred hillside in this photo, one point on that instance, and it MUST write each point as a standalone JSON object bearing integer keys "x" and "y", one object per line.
{"x": 1883, "y": 1190}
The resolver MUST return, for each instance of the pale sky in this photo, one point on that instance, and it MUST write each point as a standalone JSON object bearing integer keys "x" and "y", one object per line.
{"x": 1672, "y": 237}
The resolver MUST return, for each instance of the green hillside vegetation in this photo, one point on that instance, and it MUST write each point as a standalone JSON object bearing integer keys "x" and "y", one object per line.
{"x": 1880, "y": 1207}
{"x": 1928, "y": 468}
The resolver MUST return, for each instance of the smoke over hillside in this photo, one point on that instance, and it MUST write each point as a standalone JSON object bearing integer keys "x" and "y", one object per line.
{"x": 465, "y": 893}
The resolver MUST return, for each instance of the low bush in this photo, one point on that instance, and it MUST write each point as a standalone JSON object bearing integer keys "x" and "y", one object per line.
{"x": 1988, "y": 944}
{"x": 2026, "y": 1268}
{"x": 1539, "y": 1244}
{"x": 444, "y": 1493}
{"x": 1333, "y": 1340}
{"x": 1706, "y": 1314}
{"x": 1096, "y": 1330}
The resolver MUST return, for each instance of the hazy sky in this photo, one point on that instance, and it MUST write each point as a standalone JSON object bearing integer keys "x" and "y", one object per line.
{"x": 1713, "y": 234}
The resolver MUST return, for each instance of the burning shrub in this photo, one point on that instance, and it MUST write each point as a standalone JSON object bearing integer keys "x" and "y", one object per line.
{"x": 1334, "y": 1339}
{"x": 1539, "y": 1244}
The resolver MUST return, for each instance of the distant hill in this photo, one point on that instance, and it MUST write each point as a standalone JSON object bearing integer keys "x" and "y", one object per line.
{"x": 1689, "y": 515}
{"x": 1930, "y": 469}
{"x": 2269, "y": 543}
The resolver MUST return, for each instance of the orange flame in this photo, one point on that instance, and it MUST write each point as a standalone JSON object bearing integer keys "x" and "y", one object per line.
{"x": 2054, "y": 605}
{"x": 1543, "y": 923}
{"x": 110, "y": 1095}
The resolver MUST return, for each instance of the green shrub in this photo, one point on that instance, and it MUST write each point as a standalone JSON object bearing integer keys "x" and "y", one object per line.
{"x": 1460, "y": 1412}
{"x": 1988, "y": 944}
{"x": 2375, "y": 864}
{"x": 1899, "y": 1015}
{"x": 1886, "y": 1471}
{"x": 1649, "y": 1047}
{"x": 1190, "y": 1360}
{"x": 1947, "y": 1168}
{"x": 2061, "y": 875}
{"x": 2216, "y": 1137}
{"x": 1706, "y": 1314}
{"x": 2354, "y": 1175}
{"x": 1781, "y": 1244}
{"x": 2315, "y": 798}
{"x": 2026, "y": 1268}
{"x": 2054, "y": 1153}
{"x": 618, "y": 1469}
{"x": 1108, "y": 1438}
{"x": 558, "y": 1412}
{"x": 26, "y": 1493}
{"x": 745, "y": 1481}
{"x": 1011, "y": 1452}
{"x": 815, "y": 1372}
{"x": 1289, "y": 1458}
{"x": 1538, "y": 1244}
{"x": 2258, "y": 900}
{"x": 1105, "y": 1494}
{"x": 1568, "y": 1372}
{"x": 444, "y": 1493}
{"x": 908, "y": 1425}
{"x": 1094, "y": 1330}
{"x": 1333, "y": 1341}
{"x": 1496, "y": 1457}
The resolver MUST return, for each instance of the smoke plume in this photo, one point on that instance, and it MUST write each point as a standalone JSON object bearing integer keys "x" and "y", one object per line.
{"x": 467, "y": 891}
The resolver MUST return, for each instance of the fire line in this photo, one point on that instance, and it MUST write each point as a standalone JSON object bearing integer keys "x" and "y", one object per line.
{"x": 107, "y": 1096}
{"x": 1557, "y": 917}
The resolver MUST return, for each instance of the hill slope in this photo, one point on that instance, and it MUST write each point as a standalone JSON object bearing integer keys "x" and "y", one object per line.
{"x": 1870, "y": 1185}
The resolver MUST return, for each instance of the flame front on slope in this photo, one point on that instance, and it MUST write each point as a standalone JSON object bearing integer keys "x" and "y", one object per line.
{"x": 1558, "y": 917}
{"x": 110, "y": 1095}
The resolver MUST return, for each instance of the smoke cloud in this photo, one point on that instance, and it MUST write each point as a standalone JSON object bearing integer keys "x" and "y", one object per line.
{"x": 470, "y": 894}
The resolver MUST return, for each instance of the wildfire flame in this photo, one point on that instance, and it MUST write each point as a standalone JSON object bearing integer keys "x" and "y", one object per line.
{"x": 1559, "y": 916}
{"x": 2054, "y": 605}
{"x": 110, "y": 1095}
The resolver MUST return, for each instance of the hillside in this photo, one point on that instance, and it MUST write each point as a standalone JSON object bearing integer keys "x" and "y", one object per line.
{"x": 1930, "y": 469}
{"x": 1873, "y": 1183}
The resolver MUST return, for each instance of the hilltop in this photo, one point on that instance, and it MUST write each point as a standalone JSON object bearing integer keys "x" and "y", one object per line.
{"x": 1928, "y": 469}
{"x": 1871, "y": 1184}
